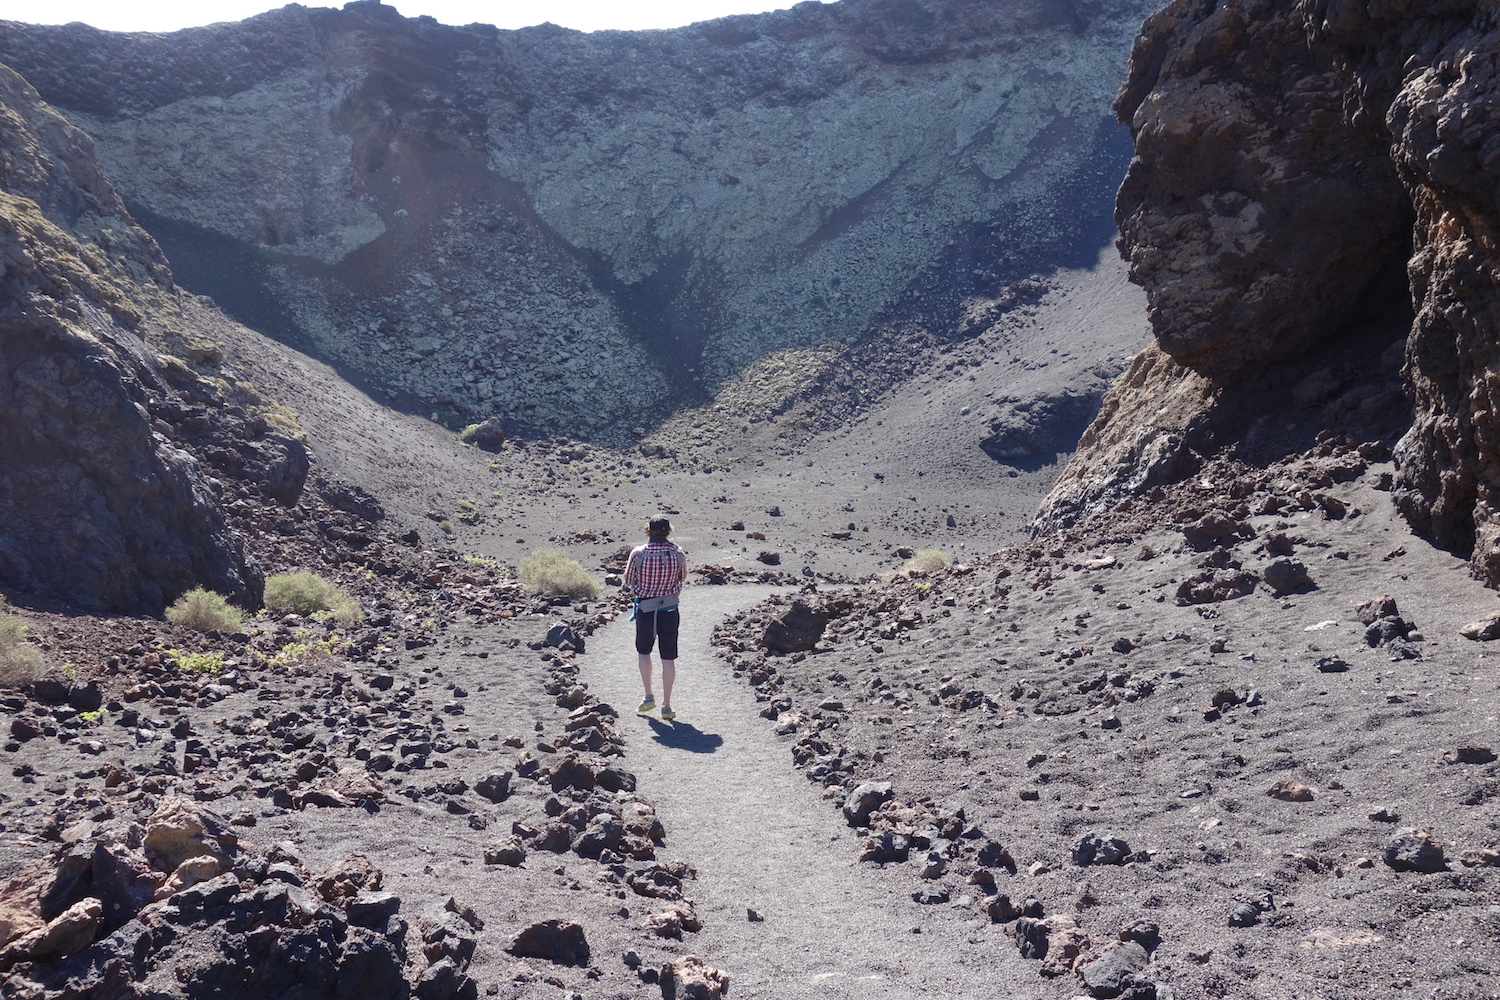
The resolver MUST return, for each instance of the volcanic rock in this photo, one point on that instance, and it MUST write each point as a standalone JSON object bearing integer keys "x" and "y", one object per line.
{"x": 865, "y": 799}
{"x": 1092, "y": 849}
{"x": 1484, "y": 630}
{"x": 179, "y": 829}
{"x": 489, "y": 434}
{"x": 672, "y": 921}
{"x": 495, "y": 787}
{"x": 1214, "y": 585}
{"x": 1115, "y": 970}
{"x": 560, "y": 941}
{"x": 351, "y": 499}
{"x": 1287, "y": 576}
{"x": 690, "y": 978}
{"x": 1214, "y": 529}
{"x": 1288, "y": 790}
{"x": 799, "y": 629}
{"x": 347, "y": 879}
{"x": 1369, "y": 611}
{"x": 1413, "y": 850}
{"x": 508, "y": 851}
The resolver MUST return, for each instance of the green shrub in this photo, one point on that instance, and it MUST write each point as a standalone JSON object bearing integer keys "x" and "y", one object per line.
{"x": 551, "y": 572}
{"x": 205, "y": 610}
{"x": 198, "y": 663}
{"x": 927, "y": 561}
{"x": 20, "y": 661}
{"x": 307, "y": 593}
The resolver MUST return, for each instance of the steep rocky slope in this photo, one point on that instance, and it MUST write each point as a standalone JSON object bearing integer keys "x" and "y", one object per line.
{"x": 582, "y": 232}
{"x": 1292, "y": 161}
{"x": 96, "y": 505}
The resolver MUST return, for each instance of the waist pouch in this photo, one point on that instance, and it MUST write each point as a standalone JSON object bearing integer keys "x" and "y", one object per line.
{"x": 664, "y": 603}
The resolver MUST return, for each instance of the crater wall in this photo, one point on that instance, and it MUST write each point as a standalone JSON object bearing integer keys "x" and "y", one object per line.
{"x": 96, "y": 507}
{"x": 582, "y": 232}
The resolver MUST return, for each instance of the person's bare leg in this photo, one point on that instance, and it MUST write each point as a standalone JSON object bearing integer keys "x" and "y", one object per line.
{"x": 644, "y": 659}
{"x": 668, "y": 675}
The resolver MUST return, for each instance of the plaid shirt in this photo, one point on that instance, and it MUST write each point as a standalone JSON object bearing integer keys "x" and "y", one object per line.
{"x": 656, "y": 569}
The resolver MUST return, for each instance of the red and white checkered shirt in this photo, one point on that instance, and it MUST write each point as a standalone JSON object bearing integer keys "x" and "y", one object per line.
{"x": 656, "y": 569}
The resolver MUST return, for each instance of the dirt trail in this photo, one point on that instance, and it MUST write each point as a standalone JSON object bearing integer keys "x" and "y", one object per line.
{"x": 761, "y": 836}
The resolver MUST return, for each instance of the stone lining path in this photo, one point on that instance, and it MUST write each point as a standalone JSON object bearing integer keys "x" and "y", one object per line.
{"x": 762, "y": 836}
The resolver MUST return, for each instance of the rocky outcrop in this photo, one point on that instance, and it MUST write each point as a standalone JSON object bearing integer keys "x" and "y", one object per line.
{"x": 96, "y": 505}
{"x": 1289, "y": 158}
{"x": 585, "y": 231}
{"x": 1255, "y": 212}
{"x": 108, "y": 915}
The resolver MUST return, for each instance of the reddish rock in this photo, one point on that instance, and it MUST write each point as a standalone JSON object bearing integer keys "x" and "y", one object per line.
{"x": 690, "y": 978}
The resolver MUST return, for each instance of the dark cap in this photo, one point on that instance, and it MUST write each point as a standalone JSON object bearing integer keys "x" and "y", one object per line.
{"x": 658, "y": 527}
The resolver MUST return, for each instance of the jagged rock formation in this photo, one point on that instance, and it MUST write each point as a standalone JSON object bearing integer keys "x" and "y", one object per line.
{"x": 583, "y": 231}
{"x": 96, "y": 507}
{"x": 1289, "y": 158}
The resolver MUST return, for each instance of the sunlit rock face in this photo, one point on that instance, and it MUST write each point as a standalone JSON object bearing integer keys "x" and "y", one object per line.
{"x": 1312, "y": 211}
{"x": 583, "y": 231}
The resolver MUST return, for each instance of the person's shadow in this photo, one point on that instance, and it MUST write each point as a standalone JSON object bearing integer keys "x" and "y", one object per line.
{"x": 684, "y": 736}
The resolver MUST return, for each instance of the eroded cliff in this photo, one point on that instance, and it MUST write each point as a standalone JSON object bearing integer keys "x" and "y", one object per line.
{"x": 1307, "y": 177}
{"x": 584, "y": 231}
{"x": 96, "y": 506}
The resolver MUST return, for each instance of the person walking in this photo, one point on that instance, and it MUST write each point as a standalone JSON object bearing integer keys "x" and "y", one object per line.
{"x": 654, "y": 574}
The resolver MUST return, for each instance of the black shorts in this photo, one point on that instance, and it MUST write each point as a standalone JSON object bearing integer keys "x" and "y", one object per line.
{"x": 649, "y": 625}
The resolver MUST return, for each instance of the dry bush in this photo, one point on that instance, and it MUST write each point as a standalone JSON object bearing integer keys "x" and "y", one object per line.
{"x": 20, "y": 661}
{"x": 205, "y": 611}
{"x": 551, "y": 572}
{"x": 927, "y": 561}
{"x": 307, "y": 593}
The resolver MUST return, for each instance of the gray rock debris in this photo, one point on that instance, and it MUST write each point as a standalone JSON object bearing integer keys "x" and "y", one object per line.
{"x": 1414, "y": 850}
{"x": 1092, "y": 849}
{"x": 864, "y": 800}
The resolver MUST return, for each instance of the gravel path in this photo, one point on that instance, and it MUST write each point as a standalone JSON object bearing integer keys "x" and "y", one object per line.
{"x": 762, "y": 837}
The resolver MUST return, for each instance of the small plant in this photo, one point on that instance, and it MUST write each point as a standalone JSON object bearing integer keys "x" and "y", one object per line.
{"x": 305, "y": 647}
{"x": 927, "y": 561}
{"x": 551, "y": 572}
{"x": 290, "y": 654}
{"x": 467, "y": 434}
{"x": 92, "y": 717}
{"x": 205, "y": 610}
{"x": 446, "y": 527}
{"x": 20, "y": 661}
{"x": 198, "y": 663}
{"x": 495, "y": 566}
{"x": 307, "y": 593}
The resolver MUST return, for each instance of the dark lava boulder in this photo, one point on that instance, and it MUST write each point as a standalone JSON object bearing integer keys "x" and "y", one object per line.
{"x": 798, "y": 629}
{"x": 1413, "y": 850}
{"x": 560, "y": 941}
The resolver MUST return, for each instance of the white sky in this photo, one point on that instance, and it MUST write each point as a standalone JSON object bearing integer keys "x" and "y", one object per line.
{"x": 585, "y": 15}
